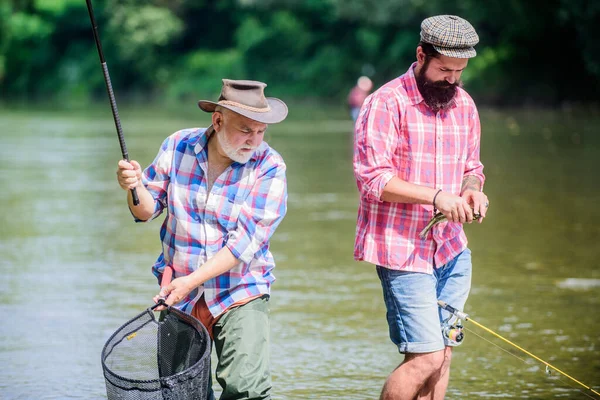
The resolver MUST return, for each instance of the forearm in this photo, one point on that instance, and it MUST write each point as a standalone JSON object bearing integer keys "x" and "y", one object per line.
{"x": 472, "y": 183}
{"x": 144, "y": 210}
{"x": 220, "y": 263}
{"x": 400, "y": 191}
{"x": 179, "y": 288}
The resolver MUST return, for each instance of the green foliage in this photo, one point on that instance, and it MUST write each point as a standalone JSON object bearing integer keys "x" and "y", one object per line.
{"x": 5, "y": 13}
{"x": 25, "y": 55}
{"x": 141, "y": 30}
{"x": 141, "y": 35}
{"x": 251, "y": 33}
{"x": 280, "y": 44}
{"x": 540, "y": 52}
{"x": 201, "y": 72}
{"x": 25, "y": 27}
{"x": 584, "y": 15}
{"x": 57, "y": 7}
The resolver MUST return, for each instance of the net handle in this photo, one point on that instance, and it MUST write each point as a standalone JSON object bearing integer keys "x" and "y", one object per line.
{"x": 167, "y": 276}
{"x": 161, "y": 302}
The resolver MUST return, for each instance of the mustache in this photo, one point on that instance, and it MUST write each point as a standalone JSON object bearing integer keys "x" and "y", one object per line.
{"x": 438, "y": 95}
{"x": 442, "y": 84}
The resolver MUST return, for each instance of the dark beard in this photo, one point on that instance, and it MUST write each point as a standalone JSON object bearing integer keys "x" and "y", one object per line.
{"x": 438, "y": 95}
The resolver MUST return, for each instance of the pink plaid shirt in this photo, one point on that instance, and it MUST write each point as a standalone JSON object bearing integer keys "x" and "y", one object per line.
{"x": 241, "y": 211}
{"x": 397, "y": 134}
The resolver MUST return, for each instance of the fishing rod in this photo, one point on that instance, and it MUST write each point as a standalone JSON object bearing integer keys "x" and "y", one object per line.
{"x": 111, "y": 95}
{"x": 461, "y": 315}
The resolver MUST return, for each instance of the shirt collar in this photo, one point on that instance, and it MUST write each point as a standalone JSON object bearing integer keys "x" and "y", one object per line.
{"x": 410, "y": 84}
{"x": 200, "y": 143}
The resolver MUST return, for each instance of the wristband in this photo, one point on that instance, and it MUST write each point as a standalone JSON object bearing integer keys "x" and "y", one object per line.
{"x": 433, "y": 202}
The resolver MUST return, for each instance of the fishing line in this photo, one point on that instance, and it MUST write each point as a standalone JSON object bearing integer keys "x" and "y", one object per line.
{"x": 462, "y": 315}
{"x": 494, "y": 344}
{"x": 567, "y": 383}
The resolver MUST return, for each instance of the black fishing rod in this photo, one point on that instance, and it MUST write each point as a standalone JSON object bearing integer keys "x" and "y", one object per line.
{"x": 111, "y": 95}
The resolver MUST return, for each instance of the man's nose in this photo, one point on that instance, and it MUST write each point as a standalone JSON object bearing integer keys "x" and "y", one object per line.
{"x": 253, "y": 139}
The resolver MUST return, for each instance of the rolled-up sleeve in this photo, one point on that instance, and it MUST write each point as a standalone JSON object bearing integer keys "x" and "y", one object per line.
{"x": 473, "y": 165}
{"x": 156, "y": 178}
{"x": 375, "y": 141}
{"x": 260, "y": 214}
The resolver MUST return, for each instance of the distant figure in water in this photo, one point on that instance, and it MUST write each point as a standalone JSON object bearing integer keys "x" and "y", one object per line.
{"x": 358, "y": 94}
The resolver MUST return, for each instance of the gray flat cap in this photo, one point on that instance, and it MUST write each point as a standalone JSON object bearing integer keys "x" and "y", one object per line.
{"x": 450, "y": 35}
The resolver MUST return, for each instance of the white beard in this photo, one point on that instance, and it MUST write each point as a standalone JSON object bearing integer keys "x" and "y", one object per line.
{"x": 232, "y": 152}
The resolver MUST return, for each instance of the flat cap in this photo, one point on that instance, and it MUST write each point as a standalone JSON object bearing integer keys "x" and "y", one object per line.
{"x": 450, "y": 35}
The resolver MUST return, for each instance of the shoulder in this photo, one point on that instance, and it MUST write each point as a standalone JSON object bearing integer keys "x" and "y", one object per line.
{"x": 464, "y": 99}
{"x": 393, "y": 95}
{"x": 183, "y": 138}
{"x": 187, "y": 135}
{"x": 393, "y": 91}
{"x": 267, "y": 158}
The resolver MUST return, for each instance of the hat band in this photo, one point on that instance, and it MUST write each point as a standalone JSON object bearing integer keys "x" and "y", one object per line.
{"x": 243, "y": 106}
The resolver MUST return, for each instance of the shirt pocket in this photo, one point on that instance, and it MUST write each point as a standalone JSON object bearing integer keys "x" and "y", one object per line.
{"x": 229, "y": 212}
{"x": 416, "y": 152}
{"x": 233, "y": 196}
{"x": 459, "y": 149}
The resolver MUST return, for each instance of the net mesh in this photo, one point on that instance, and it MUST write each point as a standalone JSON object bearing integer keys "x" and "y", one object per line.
{"x": 166, "y": 359}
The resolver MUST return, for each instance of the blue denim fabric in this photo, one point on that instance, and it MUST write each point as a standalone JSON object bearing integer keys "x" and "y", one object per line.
{"x": 413, "y": 315}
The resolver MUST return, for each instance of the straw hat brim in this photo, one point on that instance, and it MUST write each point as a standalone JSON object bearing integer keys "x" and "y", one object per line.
{"x": 277, "y": 110}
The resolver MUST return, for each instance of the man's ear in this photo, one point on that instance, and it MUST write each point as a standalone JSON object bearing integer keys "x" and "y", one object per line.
{"x": 217, "y": 120}
{"x": 421, "y": 56}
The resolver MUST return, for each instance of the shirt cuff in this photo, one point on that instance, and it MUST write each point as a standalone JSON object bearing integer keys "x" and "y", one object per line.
{"x": 376, "y": 188}
{"x": 241, "y": 246}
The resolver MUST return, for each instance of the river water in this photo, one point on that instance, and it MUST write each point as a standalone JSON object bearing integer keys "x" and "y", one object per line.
{"x": 75, "y": 267}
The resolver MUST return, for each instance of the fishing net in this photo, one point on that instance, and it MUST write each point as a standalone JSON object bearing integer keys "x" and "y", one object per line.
{"x": 164, "y": 359}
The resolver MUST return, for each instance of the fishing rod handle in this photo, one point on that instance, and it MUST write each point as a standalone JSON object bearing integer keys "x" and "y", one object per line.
{"x": 115, "y": 112}
{"x": 453, "y": 310}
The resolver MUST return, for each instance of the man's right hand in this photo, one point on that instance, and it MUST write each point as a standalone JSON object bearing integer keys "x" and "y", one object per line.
{"x": 454, "y": 208}
{"x": 176, "y": 291}
{"x": 129, "y": 174}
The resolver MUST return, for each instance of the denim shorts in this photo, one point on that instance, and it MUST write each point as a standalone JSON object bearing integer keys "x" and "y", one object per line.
{"x": 413, "y": 315}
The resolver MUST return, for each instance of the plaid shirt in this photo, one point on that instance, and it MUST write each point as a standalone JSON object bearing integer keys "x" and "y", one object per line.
{"x": 397, "y": 134}
{"x": 245, "y": 205}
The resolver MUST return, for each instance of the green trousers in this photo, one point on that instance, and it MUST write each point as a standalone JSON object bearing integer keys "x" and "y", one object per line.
{"x": 241, "y": 340}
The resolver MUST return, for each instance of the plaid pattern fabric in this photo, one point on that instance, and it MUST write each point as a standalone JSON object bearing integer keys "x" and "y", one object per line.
{"x": 450, "y": 35}
{"x": 245, "y": 205}
{"x": 397, "y": 134}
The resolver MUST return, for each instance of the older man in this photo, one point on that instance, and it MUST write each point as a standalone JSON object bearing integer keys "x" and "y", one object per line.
{"x": 224, "y": 191}
{"x": 417, "y": 150}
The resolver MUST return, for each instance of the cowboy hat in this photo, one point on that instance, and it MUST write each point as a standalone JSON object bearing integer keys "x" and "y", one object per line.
{"x": 247, "y": 98}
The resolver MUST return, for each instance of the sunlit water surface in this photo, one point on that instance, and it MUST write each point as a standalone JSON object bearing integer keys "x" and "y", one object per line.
{"x": 75, "y": 267}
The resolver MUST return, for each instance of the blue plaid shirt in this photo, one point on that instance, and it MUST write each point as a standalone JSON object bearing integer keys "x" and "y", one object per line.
{"x": 243, "y": 209}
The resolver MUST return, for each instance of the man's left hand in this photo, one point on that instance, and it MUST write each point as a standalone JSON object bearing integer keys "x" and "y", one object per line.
{"x": 478, "y": 200}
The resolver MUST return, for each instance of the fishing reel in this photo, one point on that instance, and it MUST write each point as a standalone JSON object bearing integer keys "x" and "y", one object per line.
{"x": 453, "y": 331}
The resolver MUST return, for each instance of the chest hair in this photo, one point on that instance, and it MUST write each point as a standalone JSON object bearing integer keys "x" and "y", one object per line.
{"x": 214, "y": 171}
